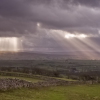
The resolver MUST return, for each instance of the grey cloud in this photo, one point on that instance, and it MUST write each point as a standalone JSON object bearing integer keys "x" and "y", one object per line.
{"x": 82, "y": 18}
{"x": 14, "y": 18}
{"x": 92, "y": 3}
{"x": 62, "y": 3}
{"x": 13, "y": 8}
{"x": 20, "y": 18}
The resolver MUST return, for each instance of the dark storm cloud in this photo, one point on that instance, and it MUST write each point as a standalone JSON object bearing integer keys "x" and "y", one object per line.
{"x": 13, "y": 8}
{"x": 14, "y": 18}
{"x": 20, "y": 18}
{"x": 92, "y": 3}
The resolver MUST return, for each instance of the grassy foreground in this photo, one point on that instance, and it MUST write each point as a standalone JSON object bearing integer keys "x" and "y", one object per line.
{"x": 80, "y": 92}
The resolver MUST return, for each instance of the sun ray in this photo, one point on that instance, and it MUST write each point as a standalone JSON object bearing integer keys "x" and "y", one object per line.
{"x": 9, "y": 44}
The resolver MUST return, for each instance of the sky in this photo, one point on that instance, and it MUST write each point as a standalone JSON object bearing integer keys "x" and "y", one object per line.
{"x": 52, "y": 25}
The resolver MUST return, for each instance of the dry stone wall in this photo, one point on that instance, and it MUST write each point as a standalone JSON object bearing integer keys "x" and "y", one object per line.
{"x": 9, "y": 83}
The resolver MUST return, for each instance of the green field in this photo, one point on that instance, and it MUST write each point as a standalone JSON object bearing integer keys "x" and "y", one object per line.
{"x": 23, "y": 78}
{"x": 79, "y": 92}
{"x": 71, "y": 92}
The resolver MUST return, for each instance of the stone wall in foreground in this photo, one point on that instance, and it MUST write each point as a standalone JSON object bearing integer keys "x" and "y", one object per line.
{"x": 9, "y": 83}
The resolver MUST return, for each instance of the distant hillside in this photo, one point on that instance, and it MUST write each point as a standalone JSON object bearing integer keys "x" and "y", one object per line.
{"x": 42, "y": 56}
{"x": 34, "y": 56}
